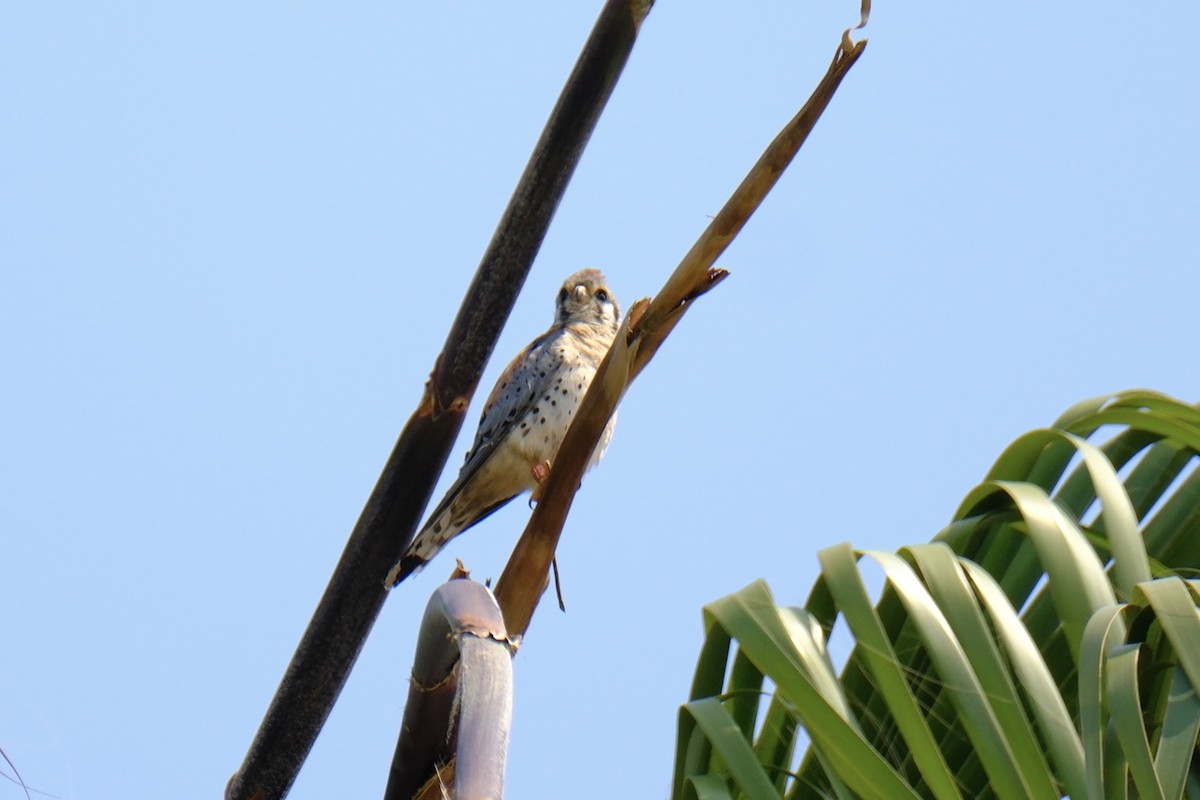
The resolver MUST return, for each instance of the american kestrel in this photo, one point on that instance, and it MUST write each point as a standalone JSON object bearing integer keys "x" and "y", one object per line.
{"x": 526, "y": 417}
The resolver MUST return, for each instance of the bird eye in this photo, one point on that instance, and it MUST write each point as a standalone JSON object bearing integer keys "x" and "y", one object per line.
{"x": 602, "y": 296}
{"x": 562, "y": 297}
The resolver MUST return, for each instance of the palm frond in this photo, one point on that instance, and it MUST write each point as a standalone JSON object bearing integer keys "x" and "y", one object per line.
{"x": 1045, "y": 644}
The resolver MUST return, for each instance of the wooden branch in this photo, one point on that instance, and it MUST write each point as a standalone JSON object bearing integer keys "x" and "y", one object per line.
{"x": 355, "y": 593}
{"x": 645, "y": 328}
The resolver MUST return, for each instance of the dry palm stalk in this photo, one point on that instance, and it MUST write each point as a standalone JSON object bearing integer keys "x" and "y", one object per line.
{"x": 647, "y": 324}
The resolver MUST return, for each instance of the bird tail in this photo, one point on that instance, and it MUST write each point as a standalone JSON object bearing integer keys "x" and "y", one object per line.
{"x": 432, "y": 538}
{"x": 407, "y": 565}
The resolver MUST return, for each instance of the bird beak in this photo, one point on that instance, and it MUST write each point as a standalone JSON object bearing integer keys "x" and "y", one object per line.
{"x": 580, "y": 292}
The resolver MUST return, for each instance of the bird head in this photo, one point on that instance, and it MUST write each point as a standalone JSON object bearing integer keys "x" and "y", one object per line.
{"x": 585, "y": 297}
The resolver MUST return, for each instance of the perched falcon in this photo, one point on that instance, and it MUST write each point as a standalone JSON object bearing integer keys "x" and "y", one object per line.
{"x": 526, "y": 417}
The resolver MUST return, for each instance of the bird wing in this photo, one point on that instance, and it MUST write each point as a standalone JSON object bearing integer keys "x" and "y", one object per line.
{"x": 522, "y": 384}
{"x": 527, "y": 379}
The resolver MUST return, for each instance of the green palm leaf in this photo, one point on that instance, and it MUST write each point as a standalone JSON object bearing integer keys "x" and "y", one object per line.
{"x": 1045, "y": 644}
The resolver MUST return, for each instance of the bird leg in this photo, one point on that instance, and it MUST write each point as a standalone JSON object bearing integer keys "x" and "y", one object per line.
{"x": 540, "y": 472}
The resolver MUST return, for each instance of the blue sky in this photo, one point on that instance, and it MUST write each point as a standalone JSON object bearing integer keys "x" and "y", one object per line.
{"x": 233, "y": 239}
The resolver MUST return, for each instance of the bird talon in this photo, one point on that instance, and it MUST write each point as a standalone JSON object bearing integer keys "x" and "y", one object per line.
{"x": 540, "y": 471}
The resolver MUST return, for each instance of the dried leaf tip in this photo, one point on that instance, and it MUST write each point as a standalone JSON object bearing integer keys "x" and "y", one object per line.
{"x": 848, "y": 44}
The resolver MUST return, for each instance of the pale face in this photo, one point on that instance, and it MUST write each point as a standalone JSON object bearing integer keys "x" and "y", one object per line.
{"x": 585, "y": 297}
